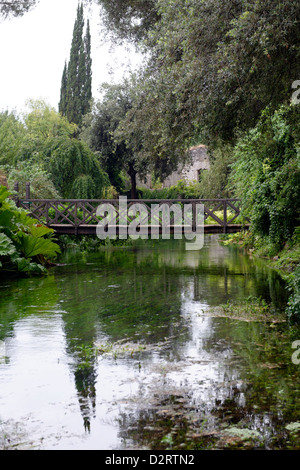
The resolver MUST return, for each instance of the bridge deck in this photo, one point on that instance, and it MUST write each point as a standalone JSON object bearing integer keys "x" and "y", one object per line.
{"x": 66, "y": 229}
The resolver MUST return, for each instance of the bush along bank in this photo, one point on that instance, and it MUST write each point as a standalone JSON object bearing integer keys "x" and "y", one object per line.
{"x": 26, "y": 246}
{"x": 265, "y": 175}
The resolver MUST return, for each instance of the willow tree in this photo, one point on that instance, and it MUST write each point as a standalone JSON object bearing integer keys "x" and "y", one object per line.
{"x": 76, "y": 171}
{"x": 44, "y": 146}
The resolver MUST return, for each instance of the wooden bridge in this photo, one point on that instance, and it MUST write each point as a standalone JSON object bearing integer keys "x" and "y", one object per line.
{"x": 79, "y": 217}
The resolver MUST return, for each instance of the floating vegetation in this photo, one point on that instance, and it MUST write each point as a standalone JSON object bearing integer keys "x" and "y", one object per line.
{"x": 126, "y": 348}
{"x": 249, "y": 309}
{"x": 120, "y": 348}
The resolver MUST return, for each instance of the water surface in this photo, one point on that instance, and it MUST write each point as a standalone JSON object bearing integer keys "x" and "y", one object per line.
{"x": 119, "y": 349}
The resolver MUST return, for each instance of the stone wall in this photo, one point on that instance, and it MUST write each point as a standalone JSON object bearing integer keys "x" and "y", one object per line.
{"x": 191, "y": 172}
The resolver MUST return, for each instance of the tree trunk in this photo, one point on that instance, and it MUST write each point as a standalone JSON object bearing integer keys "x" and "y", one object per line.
{"x": 3, "y": 180}
{"x": 132, "y": 174}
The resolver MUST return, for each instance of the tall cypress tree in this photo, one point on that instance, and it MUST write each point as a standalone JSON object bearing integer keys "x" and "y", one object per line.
{"x": 76, "y": 87}
{"x": 62, "y": 107}
{"x": 87, "y": 91}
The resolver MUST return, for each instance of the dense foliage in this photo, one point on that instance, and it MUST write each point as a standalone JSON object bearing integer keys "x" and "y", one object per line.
{"x": 180, "y": 190}
{"x": 266, "y": 174}
{"x": 294, "y": 301}
{"x": 100, "y": 132}
{"x": 16, "y": 7}
{"x": 128, "y": 19}
{"x": 41, "y": 185}
{"x": 75, "y": 170}
{"x": 213, "y": 67}
{"x": 41, "y": 149}
{"x": 12, "y": 132}
{"x": 25, "y": 245}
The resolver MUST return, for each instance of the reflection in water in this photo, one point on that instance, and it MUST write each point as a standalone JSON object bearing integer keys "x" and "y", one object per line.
{"x": 165, "y": 367}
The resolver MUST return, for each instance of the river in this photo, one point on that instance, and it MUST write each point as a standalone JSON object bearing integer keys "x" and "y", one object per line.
{"x": 126, "y": 348}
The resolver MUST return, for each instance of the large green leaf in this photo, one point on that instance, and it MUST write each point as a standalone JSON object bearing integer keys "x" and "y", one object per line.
{"x": 4, "y": 193}
{"x": 38, "y": 231}
{"x": 22, "y": 218}
{"x": 6, "y": 218}
{"x": 32, "y": 246}
{"x": 7, "y": 247}
{"x": 25, "y": 266}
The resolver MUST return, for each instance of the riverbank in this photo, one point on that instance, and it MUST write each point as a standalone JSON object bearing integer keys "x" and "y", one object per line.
{"x": 285, "y": 261}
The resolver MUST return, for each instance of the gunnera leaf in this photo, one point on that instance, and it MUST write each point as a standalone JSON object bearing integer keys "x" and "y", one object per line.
{"x": 7, "y": 247}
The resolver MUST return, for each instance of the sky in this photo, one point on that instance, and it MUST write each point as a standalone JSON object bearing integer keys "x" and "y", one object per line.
{"x": 35, "y": 47}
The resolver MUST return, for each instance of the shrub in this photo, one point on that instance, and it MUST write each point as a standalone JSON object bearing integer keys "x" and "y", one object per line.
{"x": 25, "y": 245}
{"x": 266, "y": 175}
{"x": 41, "y": 186}
{"x": 181, "y": 190}
{"x": 293, "y": 309}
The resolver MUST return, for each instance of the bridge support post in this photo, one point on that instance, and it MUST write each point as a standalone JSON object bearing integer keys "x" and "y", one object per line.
{"x": 225, "y": 216}
{"x": 27, "y": 190}
{"x": 16, "y": 197}
{"x": 194, "y": 222}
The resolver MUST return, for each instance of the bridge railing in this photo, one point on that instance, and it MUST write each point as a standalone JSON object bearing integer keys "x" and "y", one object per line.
{"x": 74, "y": 216}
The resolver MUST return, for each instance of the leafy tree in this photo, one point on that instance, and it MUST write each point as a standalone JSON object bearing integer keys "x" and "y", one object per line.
{"x": 214, "y": 182}
{"x": 266, "y": 174}
{"x": 75, "y": 170}
{"x": 76, "y": 85}
{"x": 213, "y": 67}
{"x": 42, "y": 121}
{"x": 63, "y": 91}
{"x": 99, "y": 131}
{"x": 16, "y": 7}
{"x": 53, "y": 160}
{"x": 128, "y": 19}
{"x": 12, "y": 133}
{"x": 41, "y": 185}
{"x": 44, "y": 126}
